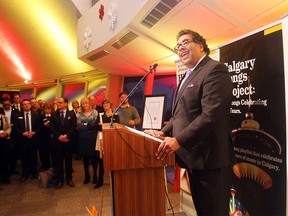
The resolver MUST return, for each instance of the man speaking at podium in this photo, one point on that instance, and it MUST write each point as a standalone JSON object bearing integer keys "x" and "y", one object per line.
{"x": 198, "y": 131}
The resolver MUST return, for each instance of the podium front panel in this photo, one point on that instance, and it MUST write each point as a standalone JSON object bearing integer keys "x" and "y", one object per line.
{"x": 139, "y": 192}
{"x": 130, "y": 149}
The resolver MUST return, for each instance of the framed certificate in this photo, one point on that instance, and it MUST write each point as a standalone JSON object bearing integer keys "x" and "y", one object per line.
{"x": 153, "y": 111}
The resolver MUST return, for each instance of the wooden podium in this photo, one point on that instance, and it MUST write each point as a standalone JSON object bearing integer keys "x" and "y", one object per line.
{"x": 138, "y": 183}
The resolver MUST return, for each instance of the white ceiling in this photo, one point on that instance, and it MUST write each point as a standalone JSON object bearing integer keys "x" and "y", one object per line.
{"x": 219, "y": 21}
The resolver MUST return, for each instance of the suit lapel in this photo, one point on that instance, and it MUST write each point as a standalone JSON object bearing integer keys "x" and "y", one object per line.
{"x": 180, "y": 91}
{"x": 184, "y": 85}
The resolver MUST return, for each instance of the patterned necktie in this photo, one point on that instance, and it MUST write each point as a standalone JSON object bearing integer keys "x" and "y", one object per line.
{"x": 27, "y": 122}
{"x": 186, "y": 76}
{"x": 62, "y": 117}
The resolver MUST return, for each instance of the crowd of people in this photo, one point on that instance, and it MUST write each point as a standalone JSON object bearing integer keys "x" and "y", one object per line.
{"x": 198, "y": 131}
{"x": 45, "y": 136}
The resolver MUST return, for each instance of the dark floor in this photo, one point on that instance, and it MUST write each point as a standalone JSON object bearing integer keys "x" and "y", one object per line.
{"x": 29, "y": 199}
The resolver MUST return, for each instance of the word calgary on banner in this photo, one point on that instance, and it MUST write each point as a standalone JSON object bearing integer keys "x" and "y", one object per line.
{"x": 241, "y": 65}
{"x": 240, "y": 72}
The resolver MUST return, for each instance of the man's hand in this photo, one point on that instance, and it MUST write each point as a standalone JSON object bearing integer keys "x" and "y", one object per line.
{"x": 46, "y": 124}
{"x": 131, "y": 123}
{"x": 3, "y": 134}
{"x": 28, "y": 134}
{"x": 63, "y": 138}
{"x": 167, "y": 148}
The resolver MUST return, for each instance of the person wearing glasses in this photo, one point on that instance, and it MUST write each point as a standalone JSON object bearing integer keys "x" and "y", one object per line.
{"x": 198, "y": 131}
{"x": 63, "y": 126}
{"x": 103, "y": 117}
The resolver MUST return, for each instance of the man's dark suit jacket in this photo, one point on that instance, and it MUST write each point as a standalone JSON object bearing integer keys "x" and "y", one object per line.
{"x": 14, "y": 107}
{"x": 68, "y": 128}
{"x": 14, "y": 113}
{"x": 19, "y": 125}
{"x": 200, "y": 118}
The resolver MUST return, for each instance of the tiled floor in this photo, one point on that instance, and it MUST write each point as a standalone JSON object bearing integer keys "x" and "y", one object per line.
{"x": 28, "y": 199}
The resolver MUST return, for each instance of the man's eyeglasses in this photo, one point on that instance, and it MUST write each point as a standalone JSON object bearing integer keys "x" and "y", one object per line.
{"x": 184, "y": 43}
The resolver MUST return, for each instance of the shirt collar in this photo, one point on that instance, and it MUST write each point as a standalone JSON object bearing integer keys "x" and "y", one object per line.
{"x": 125, "y": 106}
{"x": 192, "y": 69}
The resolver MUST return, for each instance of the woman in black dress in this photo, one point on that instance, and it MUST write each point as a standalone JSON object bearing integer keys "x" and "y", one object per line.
{"x": 45, "y": 138}
{"x": 104, "y": 117}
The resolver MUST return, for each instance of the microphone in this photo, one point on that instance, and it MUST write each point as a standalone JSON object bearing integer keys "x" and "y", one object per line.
{"x": 152, "y": 68}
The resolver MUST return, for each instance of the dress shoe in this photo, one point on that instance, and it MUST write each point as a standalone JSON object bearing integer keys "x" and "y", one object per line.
{"x": 6, "y": 181}
{"x": 94, "y": 180}
{"x": 35, "y": 176}
{"x": 14, "y": 172}
{"x": 86, "y": 180}
{"x": 71, "y": 183}
{"x": 98, "y": 185}
{"x": 23, "y": 179}
{"x": 59, "y": 186}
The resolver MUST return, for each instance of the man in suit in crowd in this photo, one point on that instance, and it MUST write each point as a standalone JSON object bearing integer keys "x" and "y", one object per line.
{"x": 63, "y": 127}
{"x": 35, "y": 107}
{"x": 16, "y": 102}
{"x": 198, "y": 131}
{"x": 5, "y": 131}
{"x": 26, "y": 127}
{"x": 11, "y": 113}
{"x": 8, "y": 109}
{"x": 93, "y": 101}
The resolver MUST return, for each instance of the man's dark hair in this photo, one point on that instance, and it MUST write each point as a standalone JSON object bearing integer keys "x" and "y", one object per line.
{"x": 3, "y": 99}
{"x": 197, "y": 38}
{"x": 26, "y": 99}
{"x": 122, "y": 93}
{"x": 65, "y": 99}
{"x": 16, "y": 94}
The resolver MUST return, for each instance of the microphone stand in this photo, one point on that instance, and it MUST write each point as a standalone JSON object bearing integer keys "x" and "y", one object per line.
{"x": 152, "y": 68}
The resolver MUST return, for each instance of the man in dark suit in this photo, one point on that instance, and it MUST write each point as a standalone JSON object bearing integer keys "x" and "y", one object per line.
{"x": 26, "y": 127}
{"x": 5, "y": 131}
{"x": 63, "y": 127}
{"x": 198, "y": 131}
{"x": 11, "y": 113}
{"x": 17, "y": 102}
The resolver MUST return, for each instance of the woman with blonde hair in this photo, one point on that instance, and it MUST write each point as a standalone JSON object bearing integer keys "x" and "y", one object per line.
{"x": 87, "y": 128}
